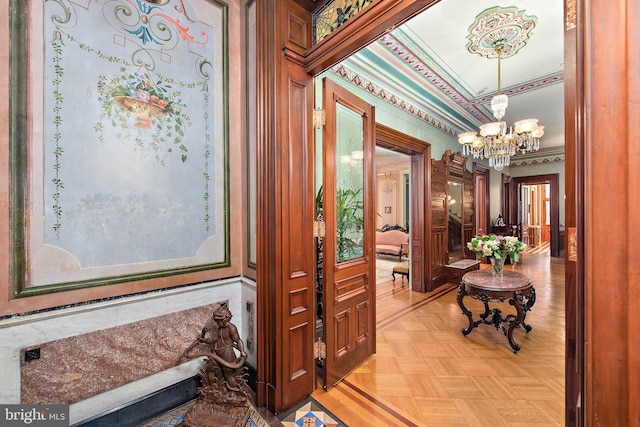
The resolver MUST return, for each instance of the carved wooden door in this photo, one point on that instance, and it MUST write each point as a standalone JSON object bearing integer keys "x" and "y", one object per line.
{"x": 348, "y": 209}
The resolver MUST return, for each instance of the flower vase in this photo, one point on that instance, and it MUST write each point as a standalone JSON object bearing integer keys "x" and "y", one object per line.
{"x": 497, "y": 266}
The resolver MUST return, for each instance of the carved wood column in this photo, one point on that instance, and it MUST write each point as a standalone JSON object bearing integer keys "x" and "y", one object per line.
{"x": 574, "y": 286}
{"x": 286, "y": 203}
{"x": 609, "y": 166}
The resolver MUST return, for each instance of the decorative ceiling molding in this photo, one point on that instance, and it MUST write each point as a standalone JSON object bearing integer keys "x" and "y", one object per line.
{"x": 500, "y": 26}
{"x": 422, "y": 63}
{"x": 410, "y": 52}
{"x": 425, "y": 66}
{"x": 536, "y": 84}
{"x": 472, "y": 106}
{"x": 541, "y": 157}
{"x": 387, "y": 69}
{"x": 515, "y": 162}
{"x": 391, "y": 98}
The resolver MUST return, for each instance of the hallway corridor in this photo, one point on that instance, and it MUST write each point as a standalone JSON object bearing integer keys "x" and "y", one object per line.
{"x": 426, "y": 373}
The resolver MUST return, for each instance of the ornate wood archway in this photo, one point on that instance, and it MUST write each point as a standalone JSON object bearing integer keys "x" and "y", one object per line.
{"x": 601, "y": 105}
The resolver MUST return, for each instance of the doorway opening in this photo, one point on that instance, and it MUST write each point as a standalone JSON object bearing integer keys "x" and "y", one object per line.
{"x": 424, "y": 237}
{"x": 408, "y": 191}
{"x": 393, "y": 214}
{"x": 533, "y": 203}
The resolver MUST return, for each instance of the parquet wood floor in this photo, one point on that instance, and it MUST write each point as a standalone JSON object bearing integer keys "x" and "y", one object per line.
{"x": 426, "y": 373}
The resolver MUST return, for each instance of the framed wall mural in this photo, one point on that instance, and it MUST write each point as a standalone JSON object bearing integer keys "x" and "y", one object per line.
{"x": 119, "y": 141}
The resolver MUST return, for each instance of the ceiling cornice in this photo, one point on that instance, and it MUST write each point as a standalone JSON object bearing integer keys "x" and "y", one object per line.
{"x": 525, "y": 87}
{"x": 385, "y": 95}
{"x": 423, "y": 64}
{"x": 443, "y": 85}
{"x": 402, "y": 45}
{"x": 543, "y": 156}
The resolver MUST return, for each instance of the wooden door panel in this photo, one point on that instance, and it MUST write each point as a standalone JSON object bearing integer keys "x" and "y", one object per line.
{"x": 349, "y": 291}
{"x": 439, "y": 223}
{"x": 419, "y": 266}
{"x": 362, "y": 322}
{"x": 342, "y": 335}
{"x": 298, "y": 366}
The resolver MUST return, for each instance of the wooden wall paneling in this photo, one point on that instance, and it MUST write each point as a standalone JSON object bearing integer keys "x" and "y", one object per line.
{"x": 633, "y": 118}
{"x": 298, "y": 207}
{"x": 574, "y": 287}
{"x": 268, "y": 243}
{"x": 633, "y": 201}
{"x": 439, "y": 223}
{"x": 286, "y": 204}
{"x": 420, "y": 223}
{"x": 609, "y": 118}
{"x": 468, "y": 204}
{"x": 481, "y": 186}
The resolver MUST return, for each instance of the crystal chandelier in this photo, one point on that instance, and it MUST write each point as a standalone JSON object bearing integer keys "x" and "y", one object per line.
{"x": 496, "y": 142}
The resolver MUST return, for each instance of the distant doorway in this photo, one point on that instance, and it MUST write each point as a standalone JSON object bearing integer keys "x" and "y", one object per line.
{"x": 419, "y": 222}
{"x": 534, "y": 201}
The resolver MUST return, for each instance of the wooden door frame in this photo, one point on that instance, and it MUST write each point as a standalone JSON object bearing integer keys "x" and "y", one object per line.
{"x": 482, "y": 199}
{"x": 553, "y": 181}
{"x": 607, "y": 173}
{"x": 606, "y": 112}
{"x": 573, "y": 215}
{"x": 420, "y": 153}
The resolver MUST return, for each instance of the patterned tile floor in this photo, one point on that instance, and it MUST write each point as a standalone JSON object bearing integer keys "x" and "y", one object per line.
{"x": 310, "y": 413}
{"x": 171, "y": 418}
{"x": 175, "y": 418}
{"x": 306, "y": 414}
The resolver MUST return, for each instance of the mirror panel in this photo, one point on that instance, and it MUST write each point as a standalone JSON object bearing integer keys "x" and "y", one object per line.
{"x": 454, "y": 214}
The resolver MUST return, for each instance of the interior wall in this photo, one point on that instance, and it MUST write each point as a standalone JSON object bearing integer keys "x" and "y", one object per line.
{"x": 30, "y": 321}
{"x": 237, "y": 178}
{"x": 31, "y": 331}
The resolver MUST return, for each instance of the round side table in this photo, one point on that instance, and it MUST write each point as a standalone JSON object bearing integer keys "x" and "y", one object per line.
{"x": 512, "y": 286}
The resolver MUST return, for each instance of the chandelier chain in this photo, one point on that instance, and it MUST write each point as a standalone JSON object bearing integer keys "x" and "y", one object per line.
{"x": 495, "y": 142}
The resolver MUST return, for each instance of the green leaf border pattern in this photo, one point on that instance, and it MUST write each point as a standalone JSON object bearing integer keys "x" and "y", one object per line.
{"x": 56, "y": 45}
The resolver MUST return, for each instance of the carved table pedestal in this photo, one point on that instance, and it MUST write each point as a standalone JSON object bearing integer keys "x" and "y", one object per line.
{"x": 514, "y": 287}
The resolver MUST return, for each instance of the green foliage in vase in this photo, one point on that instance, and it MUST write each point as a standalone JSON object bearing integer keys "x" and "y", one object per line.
{"x": 498, "y": 247}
